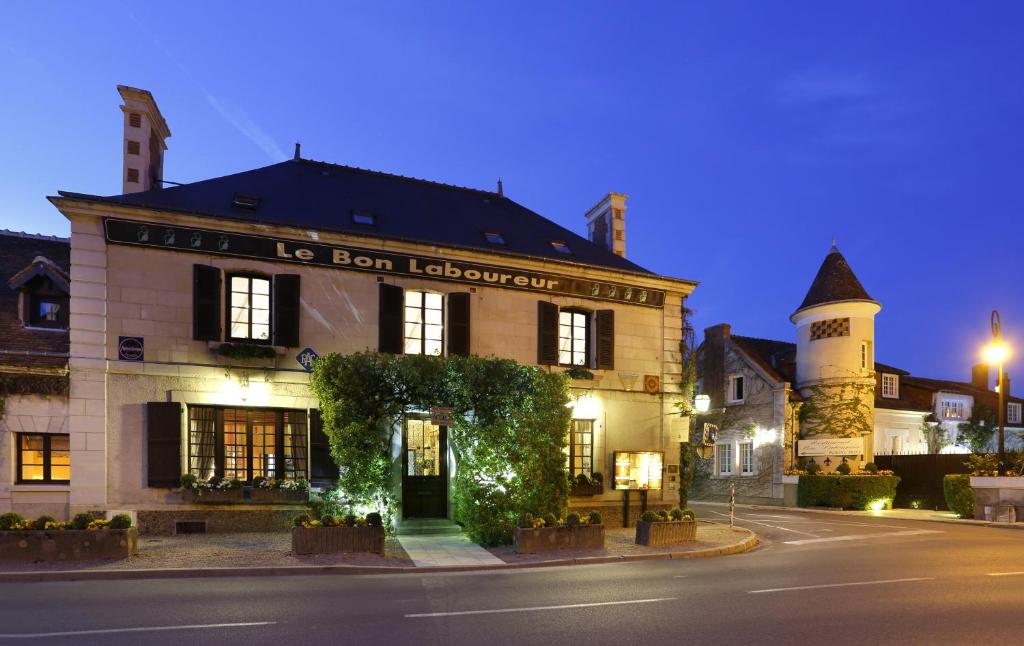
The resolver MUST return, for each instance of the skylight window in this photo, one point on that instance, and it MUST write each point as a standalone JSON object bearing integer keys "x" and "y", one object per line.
{"x": 242, "y": 201}
{"x": 560, "y": 247}
{"x": 364, "y": 217}
{"x": 494, "y": 237}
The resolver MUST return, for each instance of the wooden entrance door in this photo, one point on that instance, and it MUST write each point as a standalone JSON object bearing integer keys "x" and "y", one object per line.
{"x": 424, "y": 469}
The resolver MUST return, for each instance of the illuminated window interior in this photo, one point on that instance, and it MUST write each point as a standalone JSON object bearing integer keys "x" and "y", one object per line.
{"x": 424, "y": 323}
{"x": 250, "y": 308}
{"x": 422, "y": 444}
{"x": 44, "y": 458}
{"x": 572, "y": 338}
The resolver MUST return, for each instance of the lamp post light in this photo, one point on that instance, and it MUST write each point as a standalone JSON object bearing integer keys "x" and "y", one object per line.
{"x": 702, "y": 403}
{"x": 996, "y": 353}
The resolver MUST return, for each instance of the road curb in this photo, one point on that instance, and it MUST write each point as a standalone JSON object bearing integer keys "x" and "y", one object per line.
{"x": 748, "y": 543}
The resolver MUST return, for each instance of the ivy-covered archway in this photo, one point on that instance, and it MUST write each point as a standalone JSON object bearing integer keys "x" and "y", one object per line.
{"x": 509, "y": 434}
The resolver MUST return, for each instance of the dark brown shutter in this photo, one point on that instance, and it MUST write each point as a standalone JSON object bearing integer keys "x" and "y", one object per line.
{"x": 458, "y": 324}
{"x": 205, "y": 303}
{"x": 392, "y": 300}
{"x": 604, "y": 331}
{"x": 322, "y": 467}
{"x": 286, "y": 310}
{"x": 163, "y": 444}
{"x": 547, "y": 333}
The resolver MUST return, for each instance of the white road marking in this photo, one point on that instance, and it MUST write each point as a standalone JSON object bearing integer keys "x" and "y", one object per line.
{"x": 141, "y": 629}
{"x": 842, "y": 585}
{"x": 757, "y": 522}
{"x": 531, "y": 609}
{"x": 857, "y": 537}
{"x": 1005, "y": 573}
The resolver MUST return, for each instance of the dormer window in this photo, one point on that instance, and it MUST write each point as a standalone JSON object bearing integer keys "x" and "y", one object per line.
{"x": 48, "y": 311}
{"x": 890, "y": 386}
{"x": 494, "y": 237}
{"x": 248, "y": 202}
{"x": 560, "y": 247}
{"x": 44, "y": 294}
{"x": 364, "y": 217}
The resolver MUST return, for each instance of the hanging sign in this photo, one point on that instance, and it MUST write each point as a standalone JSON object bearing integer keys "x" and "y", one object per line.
{"x": 830, "y": 446}
{"x": 442, "y": 416}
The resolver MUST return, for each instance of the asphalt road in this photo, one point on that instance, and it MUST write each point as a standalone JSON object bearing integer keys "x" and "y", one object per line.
{"x": 818, "y": 579}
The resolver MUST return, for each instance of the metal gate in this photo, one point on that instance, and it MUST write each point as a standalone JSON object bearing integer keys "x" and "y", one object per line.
{"x": 921, "y": 477}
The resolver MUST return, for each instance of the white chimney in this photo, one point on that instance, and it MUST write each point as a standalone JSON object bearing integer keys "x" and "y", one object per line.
{"x": 145, "y": 132}
{"x": 606, "y": 223}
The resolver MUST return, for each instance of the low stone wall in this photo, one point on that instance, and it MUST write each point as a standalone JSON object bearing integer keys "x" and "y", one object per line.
{"x": 42, "y": 546}
{"x": 545, "y": 539}
{"x": 328, "y": 540}
{"x": 163, "y": 522}
{"x": 611, "y": 514}
{"x": 998, "y": 499}
{"x": 666, "y": 533}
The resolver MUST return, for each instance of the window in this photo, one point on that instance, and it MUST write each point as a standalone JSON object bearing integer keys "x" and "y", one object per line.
{"x": 952, "y": 409}
{"x": 829, "y": 328}
{"x": 242, "y": 201}
{"x": 134, "y": 119}
{"x": 47, "y": 311}
{"x": 246, "y": 443}
{"x": 44, "y": 459}
{"x": 560, "y": 247}
{"x": 1013, "y": 413}
{"x": 736, "y": 388}
{"x": 865, "y": 355}
{"x": 133, "y": 175}
{"x": 249, "y": 308}
{"x": 424, "y": 323}
{"x": 581, "y": 447}
{"x": 494, "y": 237}
{"x": 133, "y": 147}
{"x": 724, "y": 453}
{"x": 364, "y": 217}
{"x": 890, "y": 386}
{"x": 573, "y": 338}
{"x": 747, "y": 458}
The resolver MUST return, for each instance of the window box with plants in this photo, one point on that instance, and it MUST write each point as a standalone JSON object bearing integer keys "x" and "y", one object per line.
{"x": 581, "y": 485}
{"x": 245, "y": 354}
{"x": 330, "y": 534}
{"x": 271, "y": 490}
{"x": 550, "y": 533}
{"x": 666, "y": 527}
{"x": 216, "y": 490}
{"x": 84, "y": 538}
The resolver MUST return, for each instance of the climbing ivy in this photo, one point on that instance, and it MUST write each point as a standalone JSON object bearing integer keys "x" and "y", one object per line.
{"x": 837, "y": 409}
{"x": 509, "y": 435}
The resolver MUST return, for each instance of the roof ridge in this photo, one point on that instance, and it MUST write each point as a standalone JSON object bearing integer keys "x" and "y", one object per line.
{"x": 756, "y": 338}
{"x": 408, "y": 178}
{"x": 32, "y": 236}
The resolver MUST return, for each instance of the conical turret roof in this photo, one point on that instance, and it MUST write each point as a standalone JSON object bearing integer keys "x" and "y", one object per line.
{"x": 834, "y": 283}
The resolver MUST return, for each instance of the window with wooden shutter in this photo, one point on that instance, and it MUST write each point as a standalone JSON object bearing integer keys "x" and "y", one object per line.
{"x": 323, "y": 469}
{"x": 206, "y": 295}
{"x": 286, "y": 310}
{"x": 392, "y": 300}
{"x": 604, "y": 323}
{"x": 547, "y": 333}
{"x": 163, "y": 444}
{"x": 458, "y": 324}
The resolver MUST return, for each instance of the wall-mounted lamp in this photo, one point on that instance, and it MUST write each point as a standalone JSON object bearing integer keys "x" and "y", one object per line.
{"x": 702, "y": 403}
{"x": 628, "y": 379}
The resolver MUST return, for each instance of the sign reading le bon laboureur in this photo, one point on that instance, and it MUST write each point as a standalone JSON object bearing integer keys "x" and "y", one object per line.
{"x": 831, "y": 446}
{"x": 147, "y": 234}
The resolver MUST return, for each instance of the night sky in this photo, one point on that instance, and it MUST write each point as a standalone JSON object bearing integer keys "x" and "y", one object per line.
{"x": 747, "y": 135}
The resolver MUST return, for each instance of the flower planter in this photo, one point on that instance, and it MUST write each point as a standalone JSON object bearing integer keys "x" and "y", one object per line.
{"x": 328, "y": 540}
{"x": 212, "y": 496}
{"x": 279, "y": 496}
{"x": 38, "y": 546}
{"x": 586, "y": 490}
{"x": 666, "y": 533}
{"x": 545, "y": 539}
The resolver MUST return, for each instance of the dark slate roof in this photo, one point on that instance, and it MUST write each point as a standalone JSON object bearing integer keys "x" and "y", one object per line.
{"x": 322, "y": 196}
{"x": 19, "y": 346}
{"x": 777, "y": 358}
{"x": 835, "y": 282}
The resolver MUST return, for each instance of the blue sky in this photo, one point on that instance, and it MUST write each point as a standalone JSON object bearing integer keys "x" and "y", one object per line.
{"x": 747, "y": 135}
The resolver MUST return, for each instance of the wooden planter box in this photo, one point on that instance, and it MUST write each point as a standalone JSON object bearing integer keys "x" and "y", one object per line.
{"x": 586, "y": 490}
{"x": 545, "y": 539}
{"x": 666, "y": 533}
{"x": 224, "y": 496}
{"x": 328, "y": 540}
{"x": 38, "y": 546}
{"x": 279, "y": 496}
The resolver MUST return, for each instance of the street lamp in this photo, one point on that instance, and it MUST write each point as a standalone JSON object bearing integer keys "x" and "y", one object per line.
{"x": 996, "y": 353}
{"x": 702, "y": 403}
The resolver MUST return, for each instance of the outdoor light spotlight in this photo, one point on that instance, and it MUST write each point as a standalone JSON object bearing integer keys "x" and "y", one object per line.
{"x": 702, "y": 403}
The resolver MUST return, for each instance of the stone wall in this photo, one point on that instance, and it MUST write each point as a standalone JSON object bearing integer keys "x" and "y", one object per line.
{"x": 161, "y": 522}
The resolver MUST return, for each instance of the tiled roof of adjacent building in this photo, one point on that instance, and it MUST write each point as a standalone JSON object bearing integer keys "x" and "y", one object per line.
{"x": 322, "y": 196}
{"x": 777, "y": 358}
{"x": 20, "y": 346}
{"x": 835, "y": 282}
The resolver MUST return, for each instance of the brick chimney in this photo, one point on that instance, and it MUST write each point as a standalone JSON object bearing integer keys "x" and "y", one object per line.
{"x": 606, "y": 223}
{"x": 145, "y": 132}
{"x": 979, "y": 376}
{"x": 713, "y": 363}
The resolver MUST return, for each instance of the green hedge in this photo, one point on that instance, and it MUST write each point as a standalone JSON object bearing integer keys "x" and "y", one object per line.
{"x": 847, "y": 492}
{"x": 959, "y": 495}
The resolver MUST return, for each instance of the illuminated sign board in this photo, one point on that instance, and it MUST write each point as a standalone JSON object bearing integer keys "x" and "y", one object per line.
{"x": 638, "y": 469}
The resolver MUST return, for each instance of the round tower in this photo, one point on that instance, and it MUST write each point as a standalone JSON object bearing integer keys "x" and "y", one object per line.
{"x": 835, "y": 361}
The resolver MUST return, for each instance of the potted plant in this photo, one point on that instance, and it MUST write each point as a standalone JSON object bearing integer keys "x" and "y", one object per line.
{"x": 329, "y": 534}
{"x": 84, "y": 538}
{"x": 581, "y": 485}
{"x": 270, "y": 490}
{"x": 550, "y": 533}
{"x": 214, "y": 490}
{"x": 666, "y": 527}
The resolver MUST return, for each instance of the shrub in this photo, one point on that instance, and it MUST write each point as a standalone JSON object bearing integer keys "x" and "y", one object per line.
{"x": 847, "y": 492}
{"x": 597, "y": 478}
{"x": 328, "y": 520}
{"x": 188, "y": 481}
{"x": 260, "y": 482}
{"x": 349, "y": 520}
{"x": 121, "y": 521}
{"x": 649, "y": 517}
{"x": 662, "y": 515}
{"x": 689, "y": 515}
{"x": 982, "y": 465}
{"x": 81, "y": 521}
{"x": 843, "y": 469}
{"x": 959, "y": 494}
{"x": 871, "y": 468}
{"x": 526, "y": 521}
{"x": 302, "y": 519}
{"x": 595, "y": 518}
{"x": 582, "y": 480}
{"x": 40, "y": 523}
{"x": 676, "y": 514}
{"x": 550, "y": 520}
{"x": 10, "y": 520}
{"x": 813, "y": 468}
{"x": 326, "y": 502}
{"x": 373, "y": 519}
{"x": 572, "y": 519}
